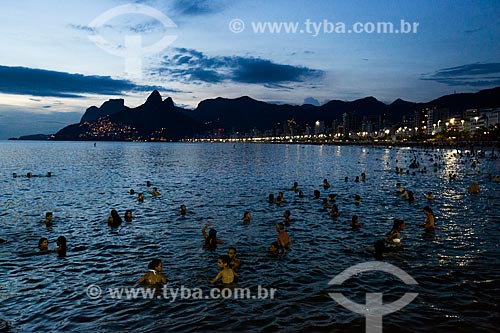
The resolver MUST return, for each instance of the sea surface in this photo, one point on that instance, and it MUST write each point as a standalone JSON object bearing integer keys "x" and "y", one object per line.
{"x": 457, "y": 268}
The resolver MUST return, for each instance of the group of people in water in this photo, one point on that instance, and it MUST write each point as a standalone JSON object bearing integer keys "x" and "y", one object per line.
{"x": 31, "y": 175}
{"x": 228, "y": 264}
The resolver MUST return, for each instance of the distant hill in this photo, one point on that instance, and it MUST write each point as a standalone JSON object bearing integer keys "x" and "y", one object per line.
{"x": 159, "y": 119}
{"x": 459, "y": 102}
{"x": 32, "y": 137}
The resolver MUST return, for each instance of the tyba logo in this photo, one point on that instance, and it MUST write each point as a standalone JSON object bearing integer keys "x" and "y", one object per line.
{"x": 133, "y": 50}
{"x": 374, "y": 309}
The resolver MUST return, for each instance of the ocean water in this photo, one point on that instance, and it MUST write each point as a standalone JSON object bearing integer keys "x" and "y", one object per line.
{"x": 457, "y": 268}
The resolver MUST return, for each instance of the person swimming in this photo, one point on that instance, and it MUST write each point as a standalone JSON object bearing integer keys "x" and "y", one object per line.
{"x": 43, "y": 244}
{"x": 48, "y": 218}
{"x": 280, "y": 198}
{"x": 128, "y": 216}
{"x": 429, "y": 219}
{"x": 234, "y": 261}
{"x": 326, "y": 184}
{"x": 411, "y": 197}
{"x": 155, "y": 192}
{"x": 283, "y": 237}
{"x": 287, "y": 215}
{"x": 357, "y": 199}
{"x": 274, "y": 248}
{"x": 334, "y": 212}
{"x": 61, "y": 246}
{"x": 270, "y": 198}
{"x": 355, "y": 222}
{"x": 474, "y": 187}
{"x": 246, "y": 216}
{"x": 394, "y": 236}
{"x": 183, "y": 210}
{"x": 154, "y": 276}
{"x": 399, "y": 188}
{"x": 325, "y": 204}
{"x": 211, "y": 239}
{"x": 114, "y": 220}
{"x": 226, "y": 273}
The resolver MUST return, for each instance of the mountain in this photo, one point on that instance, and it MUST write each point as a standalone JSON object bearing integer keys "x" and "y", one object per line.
{"x": 36, "y": 137}
{"x": 459, "y": 102}
{"x": 107, "y": 108}
{"x": 159, "y": 119}
{"x": 241, "y": 114}
{"x": 154, "y": 120}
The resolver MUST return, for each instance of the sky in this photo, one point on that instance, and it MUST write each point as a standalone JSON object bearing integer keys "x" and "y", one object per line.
{"x": 60, "y": 57}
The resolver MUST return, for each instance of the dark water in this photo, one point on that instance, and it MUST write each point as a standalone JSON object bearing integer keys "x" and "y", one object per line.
{"x": 457, "y": 269}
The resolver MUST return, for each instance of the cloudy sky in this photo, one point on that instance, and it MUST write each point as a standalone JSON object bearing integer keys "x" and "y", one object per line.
{"x": 59, "y": 57}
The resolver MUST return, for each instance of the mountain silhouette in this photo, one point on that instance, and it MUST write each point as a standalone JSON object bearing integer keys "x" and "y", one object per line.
{"x": 153, "y": 119}
{"x": 109, "y": 107}
{"x": 159, "y": 119}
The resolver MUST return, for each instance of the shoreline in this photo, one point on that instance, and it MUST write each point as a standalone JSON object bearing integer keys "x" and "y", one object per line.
{"x": 435, "y": 144}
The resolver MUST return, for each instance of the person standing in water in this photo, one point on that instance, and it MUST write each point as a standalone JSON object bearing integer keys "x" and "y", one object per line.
{"x": 154, "y": 276}
{"x": 226, "y": 274}
{"x": 429, "y": 219}
{"x": 474, "y": 188}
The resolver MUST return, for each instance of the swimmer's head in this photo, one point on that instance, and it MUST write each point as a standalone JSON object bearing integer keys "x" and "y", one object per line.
{"x": 43, "y": 244}
{"x": 223, "y": 261}
{"x": 231, "y": 252}
{"x": 212, "y": 233}
{"x": 155, "y": 264}
{"x": 273, "y": 248}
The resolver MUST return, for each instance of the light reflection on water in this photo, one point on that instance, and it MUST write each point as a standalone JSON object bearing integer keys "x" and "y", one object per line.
{"x": 457, "y": 267}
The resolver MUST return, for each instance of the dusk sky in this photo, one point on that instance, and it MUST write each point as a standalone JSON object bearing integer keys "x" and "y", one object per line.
{"x": 59, "y": 57}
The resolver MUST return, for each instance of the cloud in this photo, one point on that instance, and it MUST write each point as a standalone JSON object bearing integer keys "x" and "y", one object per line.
{"x": 192, "y": 66}
{"x": 40, "y": 82}
{"x": 477, "y": 75}
{"x": 471, "y": 31}
{"x": 198, "y": 7}
{"x": 80, "y": 27}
